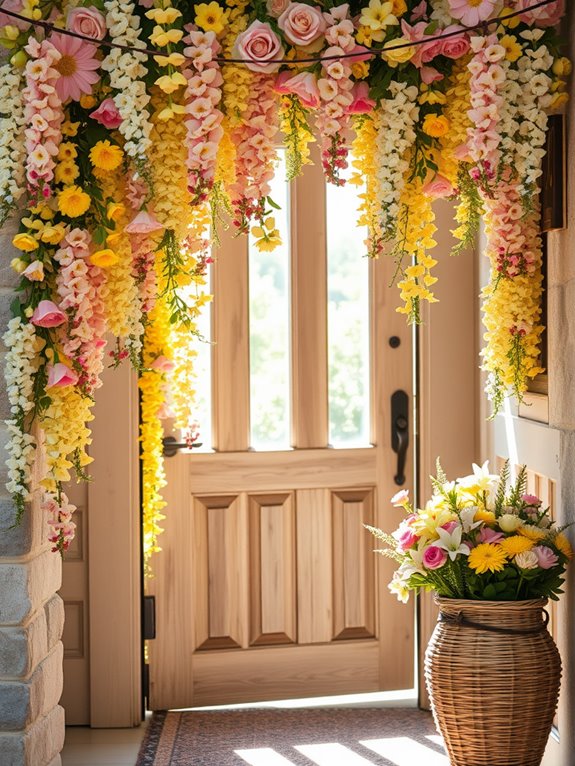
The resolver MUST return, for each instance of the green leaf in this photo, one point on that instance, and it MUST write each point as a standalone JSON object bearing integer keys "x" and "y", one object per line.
{"x": 271, "y": 203}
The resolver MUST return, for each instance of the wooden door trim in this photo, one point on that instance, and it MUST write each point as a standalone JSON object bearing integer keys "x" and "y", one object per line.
{"x": 114, "y": 542}
{"x": 449, "y": 386}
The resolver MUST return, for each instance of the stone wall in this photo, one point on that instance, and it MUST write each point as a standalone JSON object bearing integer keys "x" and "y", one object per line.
{"x": 31, "y": 612}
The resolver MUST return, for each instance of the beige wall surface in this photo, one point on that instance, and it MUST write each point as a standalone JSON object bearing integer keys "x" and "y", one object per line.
{"x": 561, "y": 333}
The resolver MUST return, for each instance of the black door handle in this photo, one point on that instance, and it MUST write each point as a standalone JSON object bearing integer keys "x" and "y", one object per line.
{"x": 171, "y": 446}
{"x": 400, "y": 432}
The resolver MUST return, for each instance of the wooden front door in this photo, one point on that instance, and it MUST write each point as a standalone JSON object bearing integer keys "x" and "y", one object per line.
{"x": 267, "y": 586}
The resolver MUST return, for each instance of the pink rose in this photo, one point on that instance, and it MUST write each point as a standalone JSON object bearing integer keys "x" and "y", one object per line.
{"x": 88, "y": 22}
{"x": 48, "y": 314}
{"x": 425, "y": 51}
{"x": 531, "y": 500}
{"x": 275, "y": 8}
{"x": 405, "y": 536}
{"x": 257, "y": 45}
{"x": 430, "y": 74}
{"x": 107, "y": 114}
{"x": 457, "y": 46}
{"x": 434, "y": 557}
{"x": 143, "y": 223}
{"x": 302, "y": 85}
{"x": 546, "y": 16}
{"x": 302, "y": 24}
{"x": 438, "y": 187}
{"x": 546, "y": 558}
{"x": 449, "y": 526}
{"x": 362, "y": 103}
{"x": 61, "y": 375}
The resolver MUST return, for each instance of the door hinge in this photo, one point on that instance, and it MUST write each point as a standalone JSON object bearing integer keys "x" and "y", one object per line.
{"x": 149, "y": 628}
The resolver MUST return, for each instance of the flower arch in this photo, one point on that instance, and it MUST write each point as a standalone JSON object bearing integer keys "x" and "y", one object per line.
{"x": 127, "y": 127}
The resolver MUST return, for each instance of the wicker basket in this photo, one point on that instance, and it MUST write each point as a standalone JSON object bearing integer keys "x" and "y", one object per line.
{"x": 493, "y": 674}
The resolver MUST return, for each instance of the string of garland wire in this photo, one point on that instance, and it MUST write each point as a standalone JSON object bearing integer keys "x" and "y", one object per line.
{"x": 481, "y": 26}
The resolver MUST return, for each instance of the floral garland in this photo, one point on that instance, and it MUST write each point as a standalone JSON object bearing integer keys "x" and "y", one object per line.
{"x": 127, "y": 128}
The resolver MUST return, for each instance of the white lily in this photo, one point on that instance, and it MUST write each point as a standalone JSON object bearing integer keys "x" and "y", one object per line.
{"x": 451, "y": 542}
{"x": 467, "y": 516}
{"x": 415, "y": 562}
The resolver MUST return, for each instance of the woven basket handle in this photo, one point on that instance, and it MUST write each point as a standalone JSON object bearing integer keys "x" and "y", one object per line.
{"x": 459, "y": 619}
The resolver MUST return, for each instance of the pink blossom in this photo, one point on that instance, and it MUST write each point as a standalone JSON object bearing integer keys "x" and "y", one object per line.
{"x": 470, "y": 14}
{"x": 61, "y": 375}
{"x": 419, "y": 11}
{"x": 425, "y": 52}
{"x": 257, "y": 45}
{"x": 34, "y": 272}
{"x": 107, "y": 114}
{"x": 48, "y": 314}
{"x": 429, "y": 74}
{"x": 546, "y": 558}
{"x": 304, "y": 86}
{"x": 449, "y": 526}
{"x": 78, "y": 67}
{"x": 360, "y": 53}
{"x": 143, "y": 223}
{"x": 275, "y": 8}
{"x": 405, "y": 536}
{"x": 162, "y": 364}
{"x": 400, "y": 498}
{"x": 434, "y": 557}
{"x": 361, "y": 103}
{"x": 488, "y": 535}
{"x": 302, "y": 24}
{"x": 88, "y": 22}
{"x": 456, "y": 46}
{"x": 546, "y": 16}
{"x": 165, "y": 411}
{"x": 532, "y": 500}
{"x": 439, "y": 187}
{"x": 16, "y": 6}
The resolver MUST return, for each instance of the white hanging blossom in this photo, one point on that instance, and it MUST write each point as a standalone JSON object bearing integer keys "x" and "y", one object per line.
{"x": 20, "y": 338}
{"x": 395, "y": 122}
{"x": 12, "y": 152}
{"x": 127, "y": 70}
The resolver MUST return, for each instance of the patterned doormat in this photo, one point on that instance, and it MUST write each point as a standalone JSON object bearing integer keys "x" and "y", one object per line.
{"x": 302, "y": 737}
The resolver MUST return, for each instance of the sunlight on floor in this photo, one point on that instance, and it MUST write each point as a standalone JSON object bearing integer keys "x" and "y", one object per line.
{"x": 401, "y": 698}
{"x": 400, "y": 751}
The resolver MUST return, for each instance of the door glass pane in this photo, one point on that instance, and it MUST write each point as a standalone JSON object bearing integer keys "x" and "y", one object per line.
{"x": 348, "y": 320}
{"x": 270, "y": 330}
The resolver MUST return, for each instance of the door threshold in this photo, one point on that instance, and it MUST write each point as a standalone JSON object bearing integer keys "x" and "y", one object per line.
{"x": 401, "y": 698}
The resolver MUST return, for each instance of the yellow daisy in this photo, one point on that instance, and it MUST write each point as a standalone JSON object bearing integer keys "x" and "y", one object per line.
{"x": 563, "y": 545}
{"x": 73, "y": 202}
{"x": 106, "y": 156}
{"x": 516, "y": 544}
{"x": 532, "y": 532}
{"x": 488, "y": 517}
{"x": 487, "y": 557}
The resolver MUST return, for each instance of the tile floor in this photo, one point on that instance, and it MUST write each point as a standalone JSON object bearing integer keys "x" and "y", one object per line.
{"x": 101, "y": 747}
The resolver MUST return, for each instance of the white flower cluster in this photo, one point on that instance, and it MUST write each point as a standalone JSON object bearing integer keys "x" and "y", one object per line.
{"x": 394, "y": 122}
{"x": 534, "y": 88}
{"x": 19, "y": 372}
{"x": 12, "y": 151}
{"x": 127, "y": 70}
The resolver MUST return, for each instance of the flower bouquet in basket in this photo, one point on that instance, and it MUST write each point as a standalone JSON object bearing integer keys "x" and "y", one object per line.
{"x": 477, "y": 538}
{"x": 493, "y": 556}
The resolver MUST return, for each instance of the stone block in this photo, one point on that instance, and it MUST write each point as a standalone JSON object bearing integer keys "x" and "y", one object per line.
{"x": 25, "y": 586}
{"x": 23, "y": 647}
{"x": 20, "y": 539}
{"x": 39, "y": 745}
{"x": 8, "y": 277}
{"x": 54, "y": 610}
{"x": 23, "y": 702}
{"x": 6, "y": 298}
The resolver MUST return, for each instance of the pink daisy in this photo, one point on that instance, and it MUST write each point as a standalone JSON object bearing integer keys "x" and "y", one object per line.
{"x": 77, "y": 66}
{"x": 471, "y": 12}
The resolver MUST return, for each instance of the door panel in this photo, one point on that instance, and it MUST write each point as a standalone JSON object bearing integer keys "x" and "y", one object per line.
{"x": 267, "y": 586}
